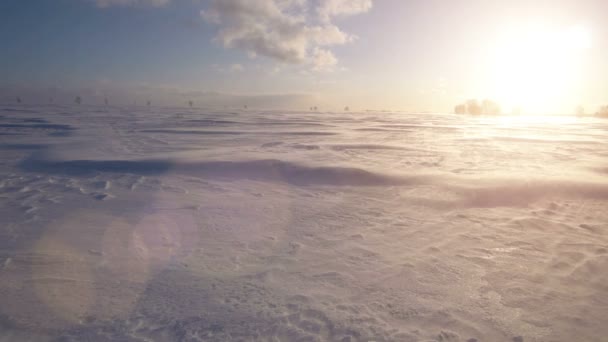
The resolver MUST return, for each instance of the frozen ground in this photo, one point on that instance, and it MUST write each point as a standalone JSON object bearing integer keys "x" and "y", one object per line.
{"x": 137, "y": 224}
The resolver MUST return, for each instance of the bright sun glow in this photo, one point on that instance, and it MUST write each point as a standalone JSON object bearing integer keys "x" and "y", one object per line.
{"x": 538, "y": 69}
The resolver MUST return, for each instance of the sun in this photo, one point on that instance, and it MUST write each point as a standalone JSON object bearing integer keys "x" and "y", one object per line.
{"x": 538, "y": 69}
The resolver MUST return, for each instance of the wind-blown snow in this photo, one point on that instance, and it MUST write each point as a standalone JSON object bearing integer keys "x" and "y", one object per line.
{"x": 139, "y": 224}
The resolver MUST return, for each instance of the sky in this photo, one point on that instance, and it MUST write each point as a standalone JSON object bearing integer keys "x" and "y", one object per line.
{"x": 414, "y": 55}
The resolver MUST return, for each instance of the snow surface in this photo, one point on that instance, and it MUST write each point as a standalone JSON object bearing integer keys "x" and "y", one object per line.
{"x": 148, "y": 224}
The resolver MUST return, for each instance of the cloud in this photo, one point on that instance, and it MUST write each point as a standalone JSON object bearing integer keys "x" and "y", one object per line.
{"x": 323, "y": 59}
{"x": 333, "y": 8}
{"x": 289, "y": 31}
{"x": 153, "y": 3}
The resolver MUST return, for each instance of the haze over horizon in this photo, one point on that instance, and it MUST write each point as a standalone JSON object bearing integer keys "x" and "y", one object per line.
{"x": 544, "y": 57}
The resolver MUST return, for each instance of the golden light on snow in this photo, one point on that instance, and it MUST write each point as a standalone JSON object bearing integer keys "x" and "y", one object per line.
{"x": 519, "y": 121}
{"x": 539, "y": 69}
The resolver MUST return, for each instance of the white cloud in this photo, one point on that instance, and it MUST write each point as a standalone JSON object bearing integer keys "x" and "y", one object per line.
{"x": 290, "y": 31}
{"x": 333, "y": 8}
{"x": 109, "y": 3}
{"x": 323, "y": 59}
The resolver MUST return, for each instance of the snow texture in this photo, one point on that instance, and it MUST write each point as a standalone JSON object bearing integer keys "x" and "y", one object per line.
{"x": 169, "y": 224}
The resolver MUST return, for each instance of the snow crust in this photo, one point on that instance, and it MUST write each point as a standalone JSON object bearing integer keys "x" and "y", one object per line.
{"x": 167, "y": 224}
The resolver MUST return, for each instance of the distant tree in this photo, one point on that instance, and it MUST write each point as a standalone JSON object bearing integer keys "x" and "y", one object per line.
{"x": 106, "y": 101}
{"x": 148, "y": 103}
{"x": 490, "y": 107}
{"x": 346, "y": 109}
{"x": 78, "y": 100}
{"x": 51, "y": 100}
{"x": 245, "y": 106}
{"x": 18, "y": 99}
{"x": 473, "y": 107}
{"x": 191, "y": 103}
{"x": 460, "y": 109}
{"x": 603, "y": 112}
